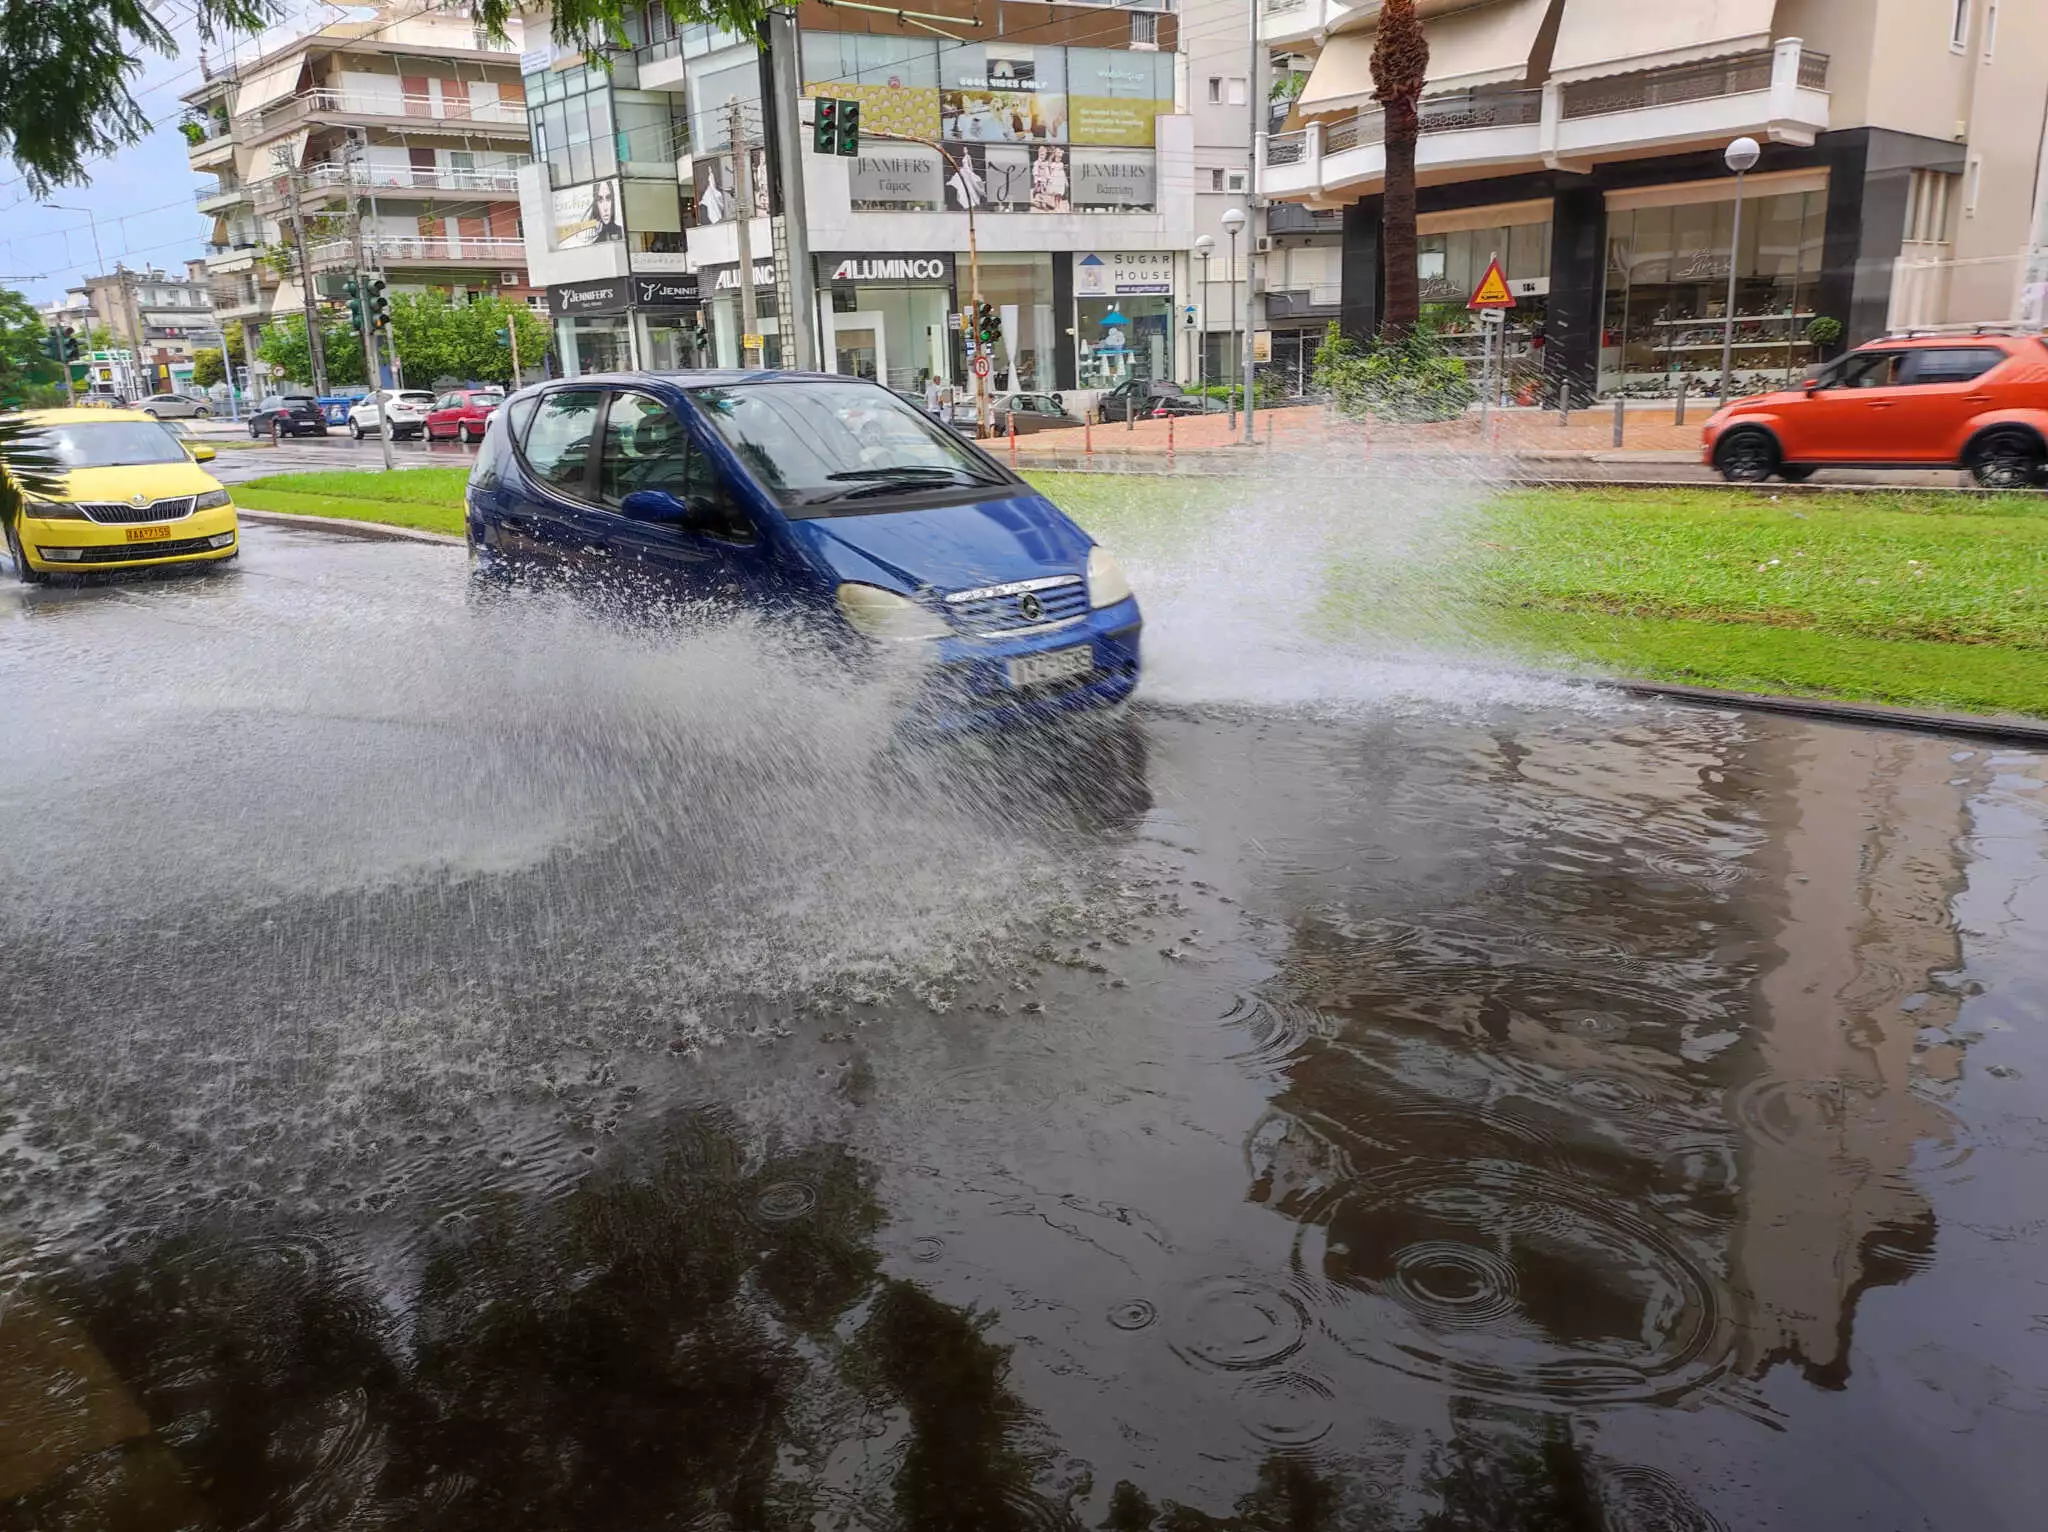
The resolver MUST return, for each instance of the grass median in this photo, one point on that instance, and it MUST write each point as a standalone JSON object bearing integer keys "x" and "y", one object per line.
{"x": 1917, "y": 599}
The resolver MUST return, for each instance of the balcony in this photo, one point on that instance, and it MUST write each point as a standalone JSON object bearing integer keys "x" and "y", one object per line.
{"x": 396, "y": 181}
{"x": 217, "y": 148}
{"x": 1780, "y": 96}
{"x": 1303, "y": 303}
{"x": 1293, "y": 218}
{"x": 218, "y": 199}
{"x": 422, "y": 250}
{"x": 1293, "y": 21}
{"x": 499, "y": 119}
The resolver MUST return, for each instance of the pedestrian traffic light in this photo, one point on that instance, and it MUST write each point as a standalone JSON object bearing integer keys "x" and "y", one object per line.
{"x": 825, "y": 128}
{"x": 378, "y": 306}
{"x": 849, "y": 127}
{"x": 358, "y": 320}
{"x": 70, "y": 344}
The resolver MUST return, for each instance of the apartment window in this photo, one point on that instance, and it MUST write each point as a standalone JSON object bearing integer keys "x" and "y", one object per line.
{"x": 1237, "y": 92}
{"x": 1959, "y": 26}
{"x": 1144, "y": 29}
{"x": 1973, "y": 178}
{"x": 1215, "y": 90}
{"x": 1216, "y": 179}
{"x": 1990, "y": 31}
{"x": 1234, "y": 180}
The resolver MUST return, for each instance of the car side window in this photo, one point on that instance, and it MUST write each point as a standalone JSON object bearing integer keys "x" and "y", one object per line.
{"x": 1871, "y": 369}
{"x": 645, "y": 447}
{"x": 1952, "y": 364}
{"x": 558, "y": 443}
{"x": 707, "y": 489}
{"x": 517, "y": 415}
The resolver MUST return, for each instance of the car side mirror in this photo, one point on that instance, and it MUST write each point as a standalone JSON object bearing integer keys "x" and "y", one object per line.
{"x": 663, "y": 506}
{"x": 201, "y": 453}
{"x": 1811, "y": 385}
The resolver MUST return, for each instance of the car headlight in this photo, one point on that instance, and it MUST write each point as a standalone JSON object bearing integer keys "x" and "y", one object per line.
{"x": 879, "y": 613}
{"x": 1106, "y": 583}
{"x": 53, "y": 510}
{"x": 212, "y": 500}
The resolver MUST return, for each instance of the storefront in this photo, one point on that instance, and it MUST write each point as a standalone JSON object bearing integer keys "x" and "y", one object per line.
{"x": 1452, "y": 250}
{"x": 1123, "y": 316}
{"x": 1020, "y": 288}
{"x": 722, "y": 313}
{"x": 625, "y": 323}
{"x": 1666, "y": 302}
{"x": 885, "y": 315}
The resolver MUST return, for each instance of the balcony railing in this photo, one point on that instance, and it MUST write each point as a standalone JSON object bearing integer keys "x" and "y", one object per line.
{"x": 422, "y": 250}
{"x": 332, "y": 176}
{"x": 354, "y": 103}
{"x": 1303, "y": 302}
{"x": 1737, "y": 75}
{"x": 206, "y": 194}
{"x": 1287, "y": 148}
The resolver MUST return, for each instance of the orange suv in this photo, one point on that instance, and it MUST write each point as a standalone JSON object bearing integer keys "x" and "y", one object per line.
{"x": 1976, "y": 401}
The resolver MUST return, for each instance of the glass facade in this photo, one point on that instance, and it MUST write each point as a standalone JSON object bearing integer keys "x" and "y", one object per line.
{"x": 892, "y": 335}
{"x": 594, "y": 343}
{"x": 1128, "y": 336}
{"x": 1020, "y": 288}
{"x": 1667, "y": 294}
{"x": 1450, "y": 265}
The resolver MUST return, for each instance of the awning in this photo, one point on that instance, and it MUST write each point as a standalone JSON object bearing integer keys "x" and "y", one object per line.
{"x": 1602, "y": 37}
{"x": 269, "y": 86}
{"x": 1486, "y": 44}
{"x": 1342, "y": 78}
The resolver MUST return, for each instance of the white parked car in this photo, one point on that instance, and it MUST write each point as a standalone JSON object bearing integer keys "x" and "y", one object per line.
{"x": 409, "y": 408}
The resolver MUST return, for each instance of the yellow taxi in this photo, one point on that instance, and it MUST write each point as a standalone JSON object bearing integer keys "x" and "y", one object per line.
{"x": 133, "y": 496}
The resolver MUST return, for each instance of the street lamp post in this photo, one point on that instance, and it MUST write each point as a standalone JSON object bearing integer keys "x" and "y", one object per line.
{"x": 100, "y": 269}
{"x": 1233, "y": 224}
{"x": 1741, "y": 157}
{"x": 1205, "y": 246}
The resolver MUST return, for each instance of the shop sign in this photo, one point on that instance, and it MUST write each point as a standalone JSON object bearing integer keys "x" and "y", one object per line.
{"x": 726, "y": 278}
{"x": 1262, "y": 346}
{"x": 609, "y": 296}
{"x": 659, "y": 260}
{"x": 1113, "y": 179}
{"x": 900, "y": 178}
{"x": 923, "y": 269}
{"x": 1123, "y": 271}
{"x": 664, "y": 292}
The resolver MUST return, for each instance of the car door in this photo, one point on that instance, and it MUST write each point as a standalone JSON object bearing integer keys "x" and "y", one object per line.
{"x": 1846, "y": 420}
{"x": 1947, "y": 387}
{"x": 542, "y": 509}
{"x": 717, "y": 556}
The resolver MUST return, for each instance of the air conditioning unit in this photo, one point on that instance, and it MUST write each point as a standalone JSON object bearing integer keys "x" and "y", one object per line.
{"x": 1265, "y": 243}
{"x": 511, "y": 279}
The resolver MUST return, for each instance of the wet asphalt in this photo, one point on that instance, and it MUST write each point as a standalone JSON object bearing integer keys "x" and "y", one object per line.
{"x": 476, "y": 1066}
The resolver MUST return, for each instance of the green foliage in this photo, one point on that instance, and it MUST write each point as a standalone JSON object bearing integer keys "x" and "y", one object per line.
{"x": 208, "y": 368}
{"x": 24, "y": 465}
{"x": 1823, "y": 329}
{"x": 1288, "y": 86}
{"x": 99, "y": 337}
{"x": 283, "y": 346}
{"x": 22, "y": 363}
{"x": 1410, "y": 378}
{"x": 441, "y": 339}
{"x": 1267, "y": 389}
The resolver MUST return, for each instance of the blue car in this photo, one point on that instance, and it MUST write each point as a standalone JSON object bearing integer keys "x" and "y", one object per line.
{"x": 814, "y": 494}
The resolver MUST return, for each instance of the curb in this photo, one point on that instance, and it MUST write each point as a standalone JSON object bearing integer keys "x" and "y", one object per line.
{"x": 2003, "y": 728}
{"x": 366, "y": 531}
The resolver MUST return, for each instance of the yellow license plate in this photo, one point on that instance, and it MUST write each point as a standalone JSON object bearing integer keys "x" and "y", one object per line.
{"x": 149, "y": 534}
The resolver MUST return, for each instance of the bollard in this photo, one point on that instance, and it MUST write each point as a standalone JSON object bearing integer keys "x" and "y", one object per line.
{"x": 273, "y": 430}
{"x": 1493, "y": 437}
{"x": 1617, "y": 422}
{"x": 1564, "y": 404}
{"x": 1088, "y": 434}
{"x": 1169, "y": 441}
{"x": 1131, "y": 413}
{"x": 1013, "y": 438}
{"x": 1269, "y": 430}
{"x": 1678, "y": 415}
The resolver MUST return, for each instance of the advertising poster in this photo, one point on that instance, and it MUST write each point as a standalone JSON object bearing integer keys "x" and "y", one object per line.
{"x": 1049, "y": 180}
{"x": 714, "y": 181}
{"x": 994, "y": 178}
{"x": 887, "y": 107}
{"x": 1114, "y": 96}
{"x": 905, "y": 177}
{"x": 994, "y": 94}
{"x": 1112, "y": 180}
{"x": 587, "y": 215}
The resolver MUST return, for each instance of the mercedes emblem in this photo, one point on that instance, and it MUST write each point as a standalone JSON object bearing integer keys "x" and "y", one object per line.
{"x": 1030, "y": 606}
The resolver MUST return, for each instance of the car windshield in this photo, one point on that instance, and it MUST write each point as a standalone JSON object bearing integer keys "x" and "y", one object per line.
{"x": 113, "y": 444}
{"x": 827, "y": 449}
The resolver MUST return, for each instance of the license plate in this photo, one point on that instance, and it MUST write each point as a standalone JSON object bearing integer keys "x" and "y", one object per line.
{"x": 149, "y": 534}
{"x": 1058, "y": 665}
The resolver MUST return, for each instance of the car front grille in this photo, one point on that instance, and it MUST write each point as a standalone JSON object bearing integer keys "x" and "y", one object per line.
{"x": 1025, "y": 604}
{"x": 128, "y": 553}
{"x": 120, "y": 512}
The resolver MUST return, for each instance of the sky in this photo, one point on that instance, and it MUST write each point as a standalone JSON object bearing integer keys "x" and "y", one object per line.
{"x": 141, "y": 196}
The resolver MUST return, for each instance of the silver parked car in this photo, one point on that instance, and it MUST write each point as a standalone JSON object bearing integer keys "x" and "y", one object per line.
{"x": 409, "y": 408}
{"x": 174, "y": 406}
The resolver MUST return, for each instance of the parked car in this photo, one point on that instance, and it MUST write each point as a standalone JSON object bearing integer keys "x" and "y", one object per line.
{"x": 133, "y": 496}
{"x": 292, "y": 414}
{"x": 1978, "y": 402}
{"x": 462, "y": 414}
{"x": 175, "y": 406}
{"x": 409, "y": 408}
{"x": 1148, "y": 397}
{"x": 824, "y": 496}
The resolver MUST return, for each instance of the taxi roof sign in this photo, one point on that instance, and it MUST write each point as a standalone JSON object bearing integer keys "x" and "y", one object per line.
{"x": 1492, "y": 291}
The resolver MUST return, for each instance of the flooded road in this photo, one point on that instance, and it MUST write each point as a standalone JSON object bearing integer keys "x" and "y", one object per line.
{"x": 474, "y": 1069}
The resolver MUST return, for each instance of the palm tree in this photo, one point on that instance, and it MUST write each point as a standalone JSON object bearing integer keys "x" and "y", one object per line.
{"x": 26, "y": 465}
{"x": 1400, "y": 65}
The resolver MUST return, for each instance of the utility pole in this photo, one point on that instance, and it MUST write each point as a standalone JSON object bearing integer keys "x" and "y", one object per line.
{"x": 800, "y": 319}
{"x": 743, "y": 181}
{"x": 368, "y": 321}
{"x": 294, "y": 187}
{"x": 1253, "y": 203}
{"x": 359, "y": 158}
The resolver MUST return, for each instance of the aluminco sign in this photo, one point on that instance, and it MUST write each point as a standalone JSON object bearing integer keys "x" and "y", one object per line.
{"x": 887, "y": 269}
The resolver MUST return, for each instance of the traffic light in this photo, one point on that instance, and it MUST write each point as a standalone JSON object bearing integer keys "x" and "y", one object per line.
{"x": 988, "y": 325}
{"x": 503, "y": 335}
{"x": 357, "y": 320}
{"x": 53, "y": 344}
{"x": 378, "y": 306}
{"x": 849, "y": 127}
{"x": 825, "y": 129}
{"x": 70, "y": 344}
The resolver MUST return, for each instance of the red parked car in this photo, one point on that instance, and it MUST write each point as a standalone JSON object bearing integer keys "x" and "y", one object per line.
{"x": 462, "y": 413}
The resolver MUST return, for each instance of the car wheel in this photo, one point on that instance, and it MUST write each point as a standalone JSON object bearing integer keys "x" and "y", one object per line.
{"x": 462, "y": 435}
{"x": 22, "y": 572}
{"x": 1795, "y": 473}
{"x": 1747, "y": 456}
{"x": 2007, "y": 459}
{"x": 201, "y": 410}
{"x": 355, "y": 429}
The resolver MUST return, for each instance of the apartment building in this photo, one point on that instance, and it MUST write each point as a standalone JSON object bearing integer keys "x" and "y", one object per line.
{"x": 403, "y": 115}
{"x": 1062, "y": 128}
{"x": 155, "y": 319}
{"x": 1580, "y": 141}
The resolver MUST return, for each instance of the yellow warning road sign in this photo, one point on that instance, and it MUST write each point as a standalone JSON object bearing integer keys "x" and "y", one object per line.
{"x": 1492, "y": 291}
